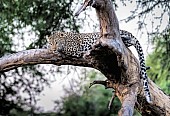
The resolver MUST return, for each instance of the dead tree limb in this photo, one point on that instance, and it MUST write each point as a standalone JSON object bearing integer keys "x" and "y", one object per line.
{"x": 38, "y": 56}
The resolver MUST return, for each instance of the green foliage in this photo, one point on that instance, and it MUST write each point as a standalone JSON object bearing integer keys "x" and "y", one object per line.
{"x": 159, "y": 62}
{"x": 93, "y": 101}
{"x": 42, "y": 17}
{"x": 94, "y": 104}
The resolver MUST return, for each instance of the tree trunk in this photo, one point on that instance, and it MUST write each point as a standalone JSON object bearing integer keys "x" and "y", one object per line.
{"x": 127, "y": 84}
{"x": 112, "y": 58}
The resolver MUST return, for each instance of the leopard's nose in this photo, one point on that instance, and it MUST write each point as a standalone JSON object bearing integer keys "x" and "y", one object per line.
{"x": 60, "y": 49}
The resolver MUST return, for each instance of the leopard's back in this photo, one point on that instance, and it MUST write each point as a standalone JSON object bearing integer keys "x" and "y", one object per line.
{"x": 88, "y": 40}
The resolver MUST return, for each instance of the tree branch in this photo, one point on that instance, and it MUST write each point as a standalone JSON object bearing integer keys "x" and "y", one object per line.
{"x": 38, "y": 56}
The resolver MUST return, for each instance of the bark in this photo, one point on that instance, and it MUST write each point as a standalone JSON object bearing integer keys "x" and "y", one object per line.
{"x": 109, "y": 56}
{"x": 38, "y": 56}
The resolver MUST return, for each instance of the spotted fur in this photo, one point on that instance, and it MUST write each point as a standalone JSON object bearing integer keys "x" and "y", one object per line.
{"x": 130, "y": 40}
{"x": 75, "y": 44}
{"x": 72, "y": 44}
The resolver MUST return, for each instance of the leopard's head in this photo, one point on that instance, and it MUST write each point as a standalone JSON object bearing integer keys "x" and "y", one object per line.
{"x": 57, "y": 41}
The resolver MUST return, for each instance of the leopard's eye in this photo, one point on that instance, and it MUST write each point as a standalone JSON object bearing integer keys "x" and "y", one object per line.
{"x": 61, "y": 35}
{"x": 56, "y": 42}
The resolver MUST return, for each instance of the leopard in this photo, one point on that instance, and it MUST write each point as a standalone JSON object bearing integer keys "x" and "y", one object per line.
{"x": 72, "y": 44}
{"x": 76, "y": 44}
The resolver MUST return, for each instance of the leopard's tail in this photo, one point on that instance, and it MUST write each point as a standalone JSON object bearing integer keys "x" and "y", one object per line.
{"x": 130, "y": 40}
{"x": 143, "y": 71}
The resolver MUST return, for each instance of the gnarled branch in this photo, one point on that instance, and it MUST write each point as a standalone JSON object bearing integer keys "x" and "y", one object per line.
{"x": 38, "y": 56}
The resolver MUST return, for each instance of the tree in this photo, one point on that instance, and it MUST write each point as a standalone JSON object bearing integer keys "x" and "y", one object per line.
{"x": 116, "y": 62}
{"x": 159, "y": 10}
